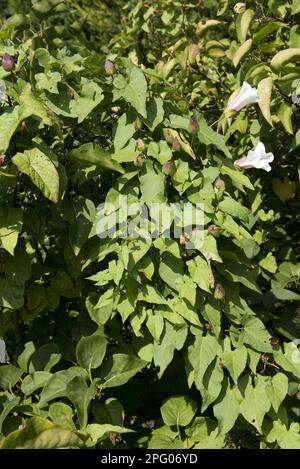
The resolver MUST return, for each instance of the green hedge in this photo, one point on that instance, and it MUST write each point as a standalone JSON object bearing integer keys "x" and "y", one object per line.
{"x": 166, "y": 341}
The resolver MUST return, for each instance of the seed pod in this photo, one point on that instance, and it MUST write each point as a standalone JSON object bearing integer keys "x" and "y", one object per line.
{"x": 150, "y": 424}
{"x": 264, "y": 358}
{"x": 176, "y": 145}
{"x": 8, "y": 62}
{"x": 193, "y": 52}
{"x": 219, "y": 292}
{"x": 24, "y": 127}
{"x": 2, "y": 160}
{"x": 298, "y": 395}
{"x": 219, "y": 184}
{"x": 274, "y": 341}
{"x": 168, "y": 167}
{"x": 214, "y": 230}
{"x": 140, "y": 144}
{"x": 193, "y": 125}
{"x": 138, "y": 161}
{"x": 109, "y": 67}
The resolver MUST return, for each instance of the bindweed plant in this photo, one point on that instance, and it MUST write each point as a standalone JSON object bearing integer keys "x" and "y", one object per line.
{"x": 173, "y": 323}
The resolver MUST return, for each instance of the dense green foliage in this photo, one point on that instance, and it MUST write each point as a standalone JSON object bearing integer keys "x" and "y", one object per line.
{"x": 142, "y": 342}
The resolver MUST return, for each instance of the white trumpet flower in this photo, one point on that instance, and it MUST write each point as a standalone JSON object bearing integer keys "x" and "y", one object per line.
{"x": 257, "y": 158}
{"x": 246, "y": 95}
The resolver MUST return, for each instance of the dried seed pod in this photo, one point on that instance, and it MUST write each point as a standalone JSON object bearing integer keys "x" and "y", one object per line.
{"x": 214, "y": 230}
{"x": 139, "y": 160}
{"x": 140, "y": 144}
{"x": 2, "y": 160}
{"x": 193, "y": 125}
{"x": 274, "y": 341}
{"x": 24, "y": 127}
{"x": 219, "y": 292}
{"x": 219, "y": 184}
{"x": 150, "y": 424}
{"x": 176, "y": 145}
{"x": 264, "y": 358}
{"x": 184, "y": 238}
{"x": 109, "y": 67}
{"x": 8, "y": 62}
{"x": 168, "y": 167}
{"x": 193, "y": 52}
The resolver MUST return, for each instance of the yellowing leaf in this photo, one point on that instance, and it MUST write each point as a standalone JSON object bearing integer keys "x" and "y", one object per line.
{"x": 98, "y": 432}
{"x": 285, "y": 56}
{"x": 241, "y": 52}
{"x": 41, "y": 171}
{"x": 285, "y": 190}
{"x": 40, "y": 433}
{"x": 264, "y": 91}
{"x": 203, "y": 27}
{"x": 285, "y": 117}
{"x": 243, "y": 23}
